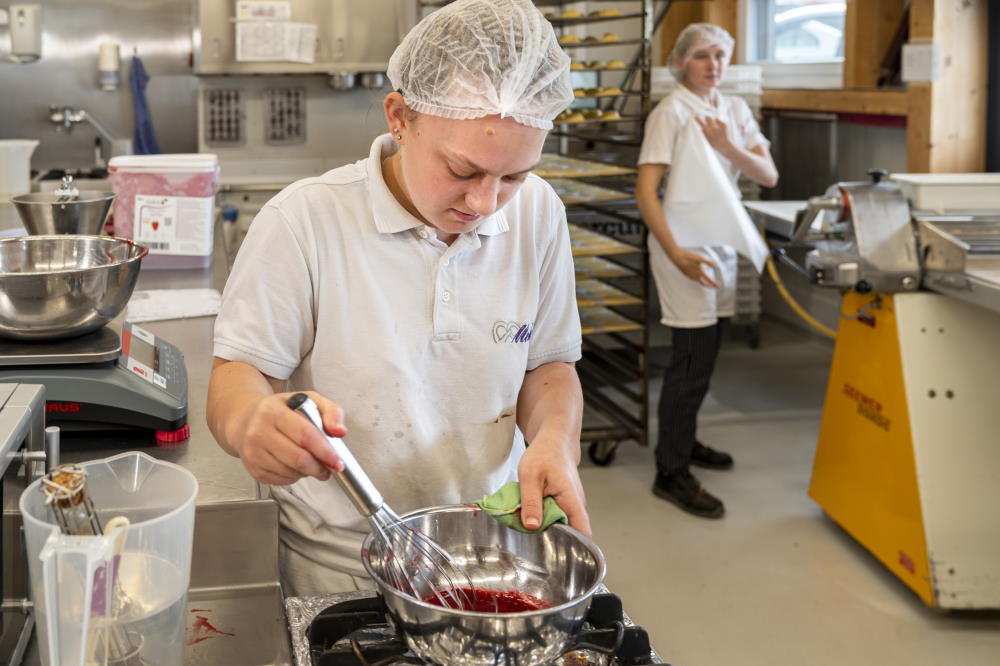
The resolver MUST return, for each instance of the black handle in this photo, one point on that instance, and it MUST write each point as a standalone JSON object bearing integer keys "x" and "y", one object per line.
{"x": 296, "y": 400}
{"x": 877, "y": 175}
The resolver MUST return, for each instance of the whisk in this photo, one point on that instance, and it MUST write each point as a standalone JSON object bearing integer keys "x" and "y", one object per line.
{"x": 66, "y": 493}
{"x": 415, "y": 563}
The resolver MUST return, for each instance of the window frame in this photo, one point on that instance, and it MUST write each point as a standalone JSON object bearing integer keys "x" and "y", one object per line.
{"x": 820, "y": 74}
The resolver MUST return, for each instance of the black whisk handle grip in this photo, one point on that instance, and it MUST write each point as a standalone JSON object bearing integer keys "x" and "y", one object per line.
{"x": 352, "y": 479}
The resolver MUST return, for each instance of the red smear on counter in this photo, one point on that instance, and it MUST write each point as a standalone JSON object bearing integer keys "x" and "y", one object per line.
{"x": 199, "y": 610}
{"x": 488, "y": 601}
{"x": 202, "y": 629}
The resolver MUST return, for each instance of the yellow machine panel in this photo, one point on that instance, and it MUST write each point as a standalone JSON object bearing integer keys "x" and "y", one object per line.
{"x": 864, "y": 474}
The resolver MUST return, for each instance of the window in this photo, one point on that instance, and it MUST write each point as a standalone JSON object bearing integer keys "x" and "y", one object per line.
{"x": 795, "y": 31}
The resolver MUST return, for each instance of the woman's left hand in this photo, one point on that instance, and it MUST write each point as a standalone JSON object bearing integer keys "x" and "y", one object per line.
{"x": 548, "y": 469}
{"x": 715, "y": 133}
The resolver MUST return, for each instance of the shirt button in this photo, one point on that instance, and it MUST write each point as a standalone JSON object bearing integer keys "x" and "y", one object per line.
{"x": 446, "y": 296}
{"x": 422, "y": 233}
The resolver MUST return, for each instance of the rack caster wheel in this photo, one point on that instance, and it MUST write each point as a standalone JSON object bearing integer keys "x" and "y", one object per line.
{"x": 602, "y": 453}
{"x": 754, "y": 339}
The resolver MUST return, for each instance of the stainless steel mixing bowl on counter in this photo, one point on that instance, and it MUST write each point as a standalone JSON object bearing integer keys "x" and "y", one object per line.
{"x": 46, "y": 213}
{"x": 559, "y": 566}
{"x": 54, "y": 287}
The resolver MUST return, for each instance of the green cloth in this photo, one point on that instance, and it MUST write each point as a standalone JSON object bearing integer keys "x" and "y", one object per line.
{"x": 505, "y": 506}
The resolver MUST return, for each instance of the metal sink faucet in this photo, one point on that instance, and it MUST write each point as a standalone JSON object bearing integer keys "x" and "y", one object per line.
{"x": 65, "y": 117}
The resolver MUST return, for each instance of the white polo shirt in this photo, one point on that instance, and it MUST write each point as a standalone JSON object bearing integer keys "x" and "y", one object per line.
{"x": 338, "y": 289}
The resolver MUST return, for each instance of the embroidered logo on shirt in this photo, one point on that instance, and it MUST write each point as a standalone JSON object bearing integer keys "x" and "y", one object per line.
{"x": 511, "y": 331}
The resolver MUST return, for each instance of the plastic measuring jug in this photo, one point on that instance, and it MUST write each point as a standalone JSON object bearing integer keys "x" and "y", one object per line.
{"x": 89, "y": 589}
{"x": 15, "y": 166}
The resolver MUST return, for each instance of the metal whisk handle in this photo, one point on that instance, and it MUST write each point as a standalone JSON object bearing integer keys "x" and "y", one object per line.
{"x": 352, "y": 479}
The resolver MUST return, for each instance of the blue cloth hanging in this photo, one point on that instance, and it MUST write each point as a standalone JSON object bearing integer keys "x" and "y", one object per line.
{"x": 144, "y": 138}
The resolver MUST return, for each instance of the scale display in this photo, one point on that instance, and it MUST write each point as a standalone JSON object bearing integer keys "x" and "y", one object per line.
{"x": 106, "y": 382}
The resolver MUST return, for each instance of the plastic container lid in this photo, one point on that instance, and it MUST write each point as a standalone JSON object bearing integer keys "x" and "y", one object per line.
{"x": 171, "y": 162}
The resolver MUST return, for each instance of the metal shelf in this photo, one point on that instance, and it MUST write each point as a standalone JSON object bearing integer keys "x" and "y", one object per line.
{"x": 596, "y": 43}
{"x": 599, "y": 70}
{"x": 587, "y": 243}
{"x": 600, "y": 121}
{"x": 559, "y": 22}
{"x": 593, "y": 293}
{"x": 623, "y": 93}
{"x": 594, "y": 320}
{"x": 599, "y": 267}
{"x": 553, "y": 165}
{"x": 596, "y": 137}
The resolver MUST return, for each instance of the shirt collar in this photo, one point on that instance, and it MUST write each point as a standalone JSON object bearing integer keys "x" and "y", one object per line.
{"x": 698, "y": 104}
{"x": 390, "y": 216}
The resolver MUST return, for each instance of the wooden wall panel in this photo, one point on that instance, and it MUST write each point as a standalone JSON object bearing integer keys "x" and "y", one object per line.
{"x": 869, "y": 28}
{"x": 947, "y": 119}
{"x": 723, "y": 13}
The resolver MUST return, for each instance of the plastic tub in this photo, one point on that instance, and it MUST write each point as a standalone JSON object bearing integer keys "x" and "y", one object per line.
{"x": 167, "y": 202}
{"x": 950, "y": 191}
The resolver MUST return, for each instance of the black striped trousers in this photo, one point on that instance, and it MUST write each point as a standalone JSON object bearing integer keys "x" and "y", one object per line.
{"x": 685, "y": 384}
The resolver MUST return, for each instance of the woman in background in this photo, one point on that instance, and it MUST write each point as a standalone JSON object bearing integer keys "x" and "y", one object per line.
{"x": 696, "y": 285}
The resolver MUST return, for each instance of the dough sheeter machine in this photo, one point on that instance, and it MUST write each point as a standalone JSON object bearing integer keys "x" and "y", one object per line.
{"x": 908, "y": 460}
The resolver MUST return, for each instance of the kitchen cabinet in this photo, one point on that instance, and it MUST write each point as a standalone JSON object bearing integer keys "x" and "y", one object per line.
{"x": 350, "y": 36}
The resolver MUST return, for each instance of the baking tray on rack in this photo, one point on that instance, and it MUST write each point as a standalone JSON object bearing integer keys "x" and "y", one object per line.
{"x": 599, "y": 267}
{"x": 558, "y": 20}
{"x": 586, "y": 243}
{"x": 575, "y": 191}
{"x": 602, "y": 320}
{"x": 558, "y": 166}
{"x": 590, "y": 293}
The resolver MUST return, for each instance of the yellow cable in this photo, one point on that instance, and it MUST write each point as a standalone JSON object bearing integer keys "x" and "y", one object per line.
{"x": 793, "y": 304}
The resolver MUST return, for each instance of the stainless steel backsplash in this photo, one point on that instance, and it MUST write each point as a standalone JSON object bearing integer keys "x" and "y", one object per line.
{"x": 160, "y": 30}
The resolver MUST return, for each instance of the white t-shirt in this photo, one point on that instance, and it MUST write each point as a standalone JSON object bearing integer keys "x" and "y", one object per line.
{"x": 340, "y": 290}
{"x": 685, "y": 303}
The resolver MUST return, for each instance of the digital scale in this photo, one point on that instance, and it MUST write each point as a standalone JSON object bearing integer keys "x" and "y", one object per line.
{"x": 102, "y": 381}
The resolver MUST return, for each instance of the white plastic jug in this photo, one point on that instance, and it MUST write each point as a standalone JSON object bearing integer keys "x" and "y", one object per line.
{"x": 15, "y": 166}
{"x": 75, "y": 580}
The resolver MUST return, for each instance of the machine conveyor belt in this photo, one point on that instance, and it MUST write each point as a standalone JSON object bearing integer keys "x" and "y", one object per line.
{"x": 979, "y": 283}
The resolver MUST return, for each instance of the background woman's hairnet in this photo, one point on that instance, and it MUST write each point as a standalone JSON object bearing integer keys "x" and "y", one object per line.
{"x": 475, "y": 58}
{"x": 697, "y": 36}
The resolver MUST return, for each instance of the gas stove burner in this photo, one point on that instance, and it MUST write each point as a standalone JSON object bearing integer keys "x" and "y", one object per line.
{"x": 355, "y": 633}
{"x": 351, "y": 629}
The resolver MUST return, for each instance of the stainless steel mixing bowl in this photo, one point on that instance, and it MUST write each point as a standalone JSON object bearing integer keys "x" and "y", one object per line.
{"x": 560, "y": 566}
{"x": 45, "y": 213}
{"x": 55, "y": 287}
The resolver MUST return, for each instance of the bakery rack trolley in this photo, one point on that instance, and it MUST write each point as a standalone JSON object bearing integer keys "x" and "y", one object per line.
{"x": 598, "y": 140}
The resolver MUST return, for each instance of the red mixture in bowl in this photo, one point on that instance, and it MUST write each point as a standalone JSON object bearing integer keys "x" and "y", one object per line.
{"x": 487, "y": 601}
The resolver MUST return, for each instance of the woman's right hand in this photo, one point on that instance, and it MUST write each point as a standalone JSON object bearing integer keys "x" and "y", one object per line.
{"x": 692, "y": 265}
{"x": 279, "y": 446}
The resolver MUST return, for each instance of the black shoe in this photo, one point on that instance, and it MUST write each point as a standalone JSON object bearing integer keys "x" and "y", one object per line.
{"x": 705, "y": 456}
{"x": 681, "y": 488}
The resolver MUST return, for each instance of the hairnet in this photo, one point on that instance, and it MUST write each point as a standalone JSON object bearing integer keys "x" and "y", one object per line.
{"x": 475, "y": 58}
{"x": 697, "y": 36}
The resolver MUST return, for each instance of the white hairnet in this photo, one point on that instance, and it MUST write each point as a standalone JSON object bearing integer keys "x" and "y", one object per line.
{"x": 697, "y": 36}
{"x": 475, "y": 58}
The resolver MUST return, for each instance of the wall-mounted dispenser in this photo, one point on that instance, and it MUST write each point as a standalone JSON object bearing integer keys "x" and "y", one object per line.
{"x": 25, "y": 23}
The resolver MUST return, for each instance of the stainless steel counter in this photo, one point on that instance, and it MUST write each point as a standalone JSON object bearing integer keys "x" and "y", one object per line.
{"x": 234, "y": 564}
{"x": 221, "y": 477}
